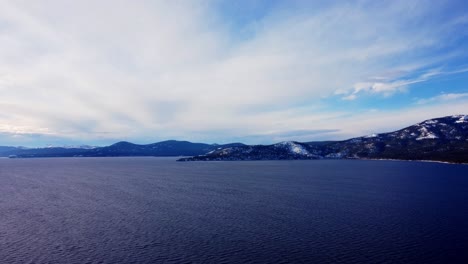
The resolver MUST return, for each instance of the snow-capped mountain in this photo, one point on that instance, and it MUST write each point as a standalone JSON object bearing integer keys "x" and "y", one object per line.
{"x": 282, "y": 150}
{"x": 442, "y": 139}
{"x": 448, "y": 128}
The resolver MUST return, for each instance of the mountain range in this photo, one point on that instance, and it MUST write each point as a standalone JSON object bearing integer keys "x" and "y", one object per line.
{"x": 438, "y": 139}
{"x": 119, "y": 149}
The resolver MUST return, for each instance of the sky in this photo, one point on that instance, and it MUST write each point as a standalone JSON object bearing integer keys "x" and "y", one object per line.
{"x": 214, "y": 71}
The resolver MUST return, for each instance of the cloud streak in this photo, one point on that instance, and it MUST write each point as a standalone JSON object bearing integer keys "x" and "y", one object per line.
{"x": 443, "y": 98}
{"x": 389, "y": 86}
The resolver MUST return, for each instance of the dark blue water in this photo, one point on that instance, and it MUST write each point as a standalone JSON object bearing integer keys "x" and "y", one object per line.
{"x": 149, "y": 210}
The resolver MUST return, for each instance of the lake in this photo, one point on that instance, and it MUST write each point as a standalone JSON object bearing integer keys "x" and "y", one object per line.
{"x": 156, "y": 210}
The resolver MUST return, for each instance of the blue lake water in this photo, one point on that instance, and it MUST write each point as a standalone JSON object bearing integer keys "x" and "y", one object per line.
{"x": 156, "y": 210}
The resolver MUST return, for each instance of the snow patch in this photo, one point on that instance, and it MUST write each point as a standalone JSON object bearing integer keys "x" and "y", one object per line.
{"x": 462, "y": 119}
{"x": 429, "y": 136}
{"x": 426, "y": 134}
{"x": 337, "y": 155}
{"x": 211, "y": 152}
{"x": 430, "y": 122}
{"x": 294, "y": 148}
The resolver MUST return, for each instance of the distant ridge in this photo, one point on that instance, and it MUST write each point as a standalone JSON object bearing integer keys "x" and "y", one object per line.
{"x": 119, "y": 149}
{"x": 438, "y": 139}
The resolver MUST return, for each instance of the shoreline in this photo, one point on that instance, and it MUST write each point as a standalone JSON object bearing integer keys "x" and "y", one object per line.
{"x": 428, "y": 161}
{"x": 179, "y": 157}
{"x": 376, "y": 159}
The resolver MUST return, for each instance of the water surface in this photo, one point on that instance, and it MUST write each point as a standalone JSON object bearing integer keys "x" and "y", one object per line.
{"x": 156, "y": 210}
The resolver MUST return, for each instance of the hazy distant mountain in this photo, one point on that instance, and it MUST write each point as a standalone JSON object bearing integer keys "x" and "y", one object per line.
{"x": 42, "y": 152}
{"x": 440, "y": 139}
{"x": 5, "y": 149}
{"x": 164, "y": 148}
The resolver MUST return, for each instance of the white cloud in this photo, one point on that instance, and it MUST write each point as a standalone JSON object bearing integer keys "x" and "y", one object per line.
{"x": 443, "y": 98}
{"x": 159, "y": 69}
{"x": 388, "y": 86}
{"x": 350, "y": 97}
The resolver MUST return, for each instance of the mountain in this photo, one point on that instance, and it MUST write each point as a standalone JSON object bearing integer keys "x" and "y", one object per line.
{"x": 439, "y": 139}
{"x": 42, "y": 152}
{"x": 164, "y": 148}
{"x": 123, "y": 148}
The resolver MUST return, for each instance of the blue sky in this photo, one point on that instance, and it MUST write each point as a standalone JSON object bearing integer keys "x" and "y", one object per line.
{"x": 87, "y": 72}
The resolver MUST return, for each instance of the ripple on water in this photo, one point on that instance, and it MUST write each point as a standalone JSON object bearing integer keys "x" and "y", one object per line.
{"x": 149, "y": 210}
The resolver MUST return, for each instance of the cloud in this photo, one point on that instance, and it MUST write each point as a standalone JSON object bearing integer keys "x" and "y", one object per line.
{"x": 148, "y": 70}
{"x": 350, "y": 97}
{"x": 388, "y": 86}
{"x": 443, "y": 98}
